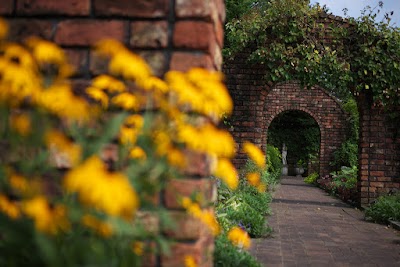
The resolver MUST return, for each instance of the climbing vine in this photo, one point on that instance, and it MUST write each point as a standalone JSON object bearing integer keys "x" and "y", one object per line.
{"x": 298, "y": 41}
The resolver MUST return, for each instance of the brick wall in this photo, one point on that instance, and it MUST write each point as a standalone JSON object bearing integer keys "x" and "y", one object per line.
{"x": 169, "y": 34}
{"x": 258, "y": 103}
{"x": 379, "y": 152}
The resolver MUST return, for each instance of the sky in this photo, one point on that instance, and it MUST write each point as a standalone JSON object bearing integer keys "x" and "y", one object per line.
{"x": 355, "y": 6}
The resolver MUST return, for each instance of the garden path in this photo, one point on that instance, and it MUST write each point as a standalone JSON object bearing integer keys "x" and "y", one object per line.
{"x": 311, "y": 228}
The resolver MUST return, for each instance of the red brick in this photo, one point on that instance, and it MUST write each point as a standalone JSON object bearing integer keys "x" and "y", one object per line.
{"x": 201, "y": 250}
{"x": 136, "y": 8}
{"x": 377, "y": 173}
{"x": 23, "y": 28}
{"x": 193, "y": 35}
{"x": 84, "y": 32}
{"x": 182, "y": 61}
{"x": 197, "y": 164}
{"x": 178, "y": 188}
{"x": 57, "y": 7}
{"x": 149, "y": 34}
{"x": 193, "y": 8}
{"x": 6, "y": 7}
{"x": 149, "y": 220}
{"x": 184, "y": 226}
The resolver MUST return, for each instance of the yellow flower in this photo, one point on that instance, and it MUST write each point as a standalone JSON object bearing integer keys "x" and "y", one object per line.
{"x": 108, "y": 83}
{"x": 18, "y": 55}
{"x": 109, "y": 192}
{"x": 190, "y": 261}
{"x": 47, "y": 219}
{"x": 134, "y": 121}
{"x": 59, "y": 100}
{"x": 46, "y": 52}
{"x": 154, "y": 83}
{"x": 3, "y": 28}
{"x": 208, "y": 139}
{"x": 137, "y": 153}
{"x": 63, "y": 148}
{"x": 102, "y": 228}
{"x": 208, "y": 218}
{"x": 129, "y": 66}
{"x": 21, "y": 123}
{"x": 255, "y": 154}
{"x": 205, "y": 216}
{"x": 138, "y": 248}
{"x": 227, "y": 173}
{"x": 98, "y": 95}
{"x": 239, "y": 237}
{"x": 109, "y": 47}
{"x": 253, "y": 178}
{"x": 128, "y": 135}
{"x": 176, "y": 158}
{"x": 8, "y": 207}
{"x": 126, "y": 101}
{"x": 262, "y": 187}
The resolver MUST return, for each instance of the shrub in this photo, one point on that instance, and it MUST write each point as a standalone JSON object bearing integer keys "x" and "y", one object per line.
{"x": 228, "y": 255}
{"x": 312, "y": 178}
{"x": 384, "y": 209}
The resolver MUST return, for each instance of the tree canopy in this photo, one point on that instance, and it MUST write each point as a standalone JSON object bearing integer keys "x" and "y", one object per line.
{"x": 298, "y": 41}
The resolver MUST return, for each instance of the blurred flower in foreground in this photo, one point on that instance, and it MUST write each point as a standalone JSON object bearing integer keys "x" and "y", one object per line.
{"x": 255, "y": 154}
{"x": 239, "y": 237}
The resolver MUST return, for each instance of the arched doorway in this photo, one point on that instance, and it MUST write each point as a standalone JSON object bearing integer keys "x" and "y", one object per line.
{"x": 299, "y": 132}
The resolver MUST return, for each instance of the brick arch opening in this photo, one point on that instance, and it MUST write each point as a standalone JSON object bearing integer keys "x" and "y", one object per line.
{"x": 307, "y": 113}
{"x": 316, "y": 102}
{"x": 258, "y": 105}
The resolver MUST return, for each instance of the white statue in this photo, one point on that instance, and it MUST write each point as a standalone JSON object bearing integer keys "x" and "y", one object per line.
{"x": 284, "y": 154}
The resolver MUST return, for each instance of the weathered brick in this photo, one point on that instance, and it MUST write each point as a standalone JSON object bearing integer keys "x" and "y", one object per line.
{"x": 193, "y": 35}
{"x": 193, "y": 9}
{"x": 138, "y": 8}
{"x": 149, "y": 220}
{"x": 149, "y": 34}
{"x": 46, "y": 7}
{"x": 185, "y": 226}
{"x": 178, "y": 188}
{"x": 201, "y": 250}
{"x": 79, "y": 59}
{"x": 98, "y": 64}
{"x": 85, "y": 32}
{"x": 23, "y": 28}
{"x": 6, "y": 7}
{"x": 183, "y": 61}
{"x": 197, "y": 164}
{"x": 156, "y": 61}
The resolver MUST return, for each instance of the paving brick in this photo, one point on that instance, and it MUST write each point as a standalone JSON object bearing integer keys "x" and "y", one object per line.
{"x": 352, "y": 241}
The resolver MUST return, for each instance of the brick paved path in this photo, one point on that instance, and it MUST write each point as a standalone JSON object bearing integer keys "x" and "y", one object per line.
{"x": 312, "y": 228}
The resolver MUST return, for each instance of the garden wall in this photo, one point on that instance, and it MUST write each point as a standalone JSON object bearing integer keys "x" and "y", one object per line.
{"x": 379, "y": 152}
{"x": 170, "y": 35}
{"x": 257, "y": 104}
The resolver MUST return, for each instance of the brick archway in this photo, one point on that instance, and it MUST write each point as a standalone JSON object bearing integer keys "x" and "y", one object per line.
{"x": 317, "y": 103}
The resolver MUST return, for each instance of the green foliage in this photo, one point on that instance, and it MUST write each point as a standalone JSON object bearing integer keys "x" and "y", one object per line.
{"x": 312, "y": 178}
{"x": 286, "y": 35}
{"x": 245, "y": 207}
{"x": 346, "y": 155}
{"x": 228, "y": 255}
{"x": 384, "y": 209}
{"x": 299, "y": 131}
{"x": 345, "y": 178}
{"x": 274, "y": 159}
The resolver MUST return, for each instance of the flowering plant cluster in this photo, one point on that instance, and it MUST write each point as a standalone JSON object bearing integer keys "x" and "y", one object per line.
{"x": 78, "y": 171}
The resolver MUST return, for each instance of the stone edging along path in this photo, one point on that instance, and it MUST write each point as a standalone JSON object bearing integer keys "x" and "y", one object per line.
{"x": 311, "y": 228}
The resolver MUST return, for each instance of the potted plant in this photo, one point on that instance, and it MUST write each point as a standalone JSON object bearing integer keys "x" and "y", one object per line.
{"x": 299, "y": 169}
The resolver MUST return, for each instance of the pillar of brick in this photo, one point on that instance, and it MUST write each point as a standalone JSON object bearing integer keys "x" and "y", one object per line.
{"x": 170, "y": 35}
{"x": 379, "y": 152}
